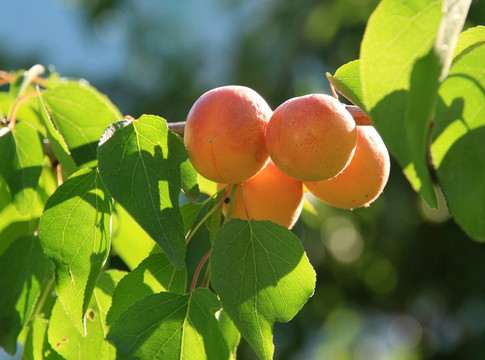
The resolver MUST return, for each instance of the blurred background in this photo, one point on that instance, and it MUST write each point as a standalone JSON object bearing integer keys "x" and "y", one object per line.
{"x": 395, "y": 281}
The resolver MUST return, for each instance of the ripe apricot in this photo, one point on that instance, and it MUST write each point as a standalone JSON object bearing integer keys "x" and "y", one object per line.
{"x": 311, "y": 137}
{"x": 363, "y": 180}
{"x": 270, "y": 195}
{"x": 225, "y": 134}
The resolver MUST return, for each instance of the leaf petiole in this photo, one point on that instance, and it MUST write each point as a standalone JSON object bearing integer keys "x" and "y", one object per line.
{"x": 197, "y": 271}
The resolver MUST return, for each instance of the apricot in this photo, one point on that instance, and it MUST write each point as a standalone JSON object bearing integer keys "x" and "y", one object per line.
{"x": 311, "y": 137}
{"x": 363, "y": 180}
{"x": 225, "y": 134}
{"x": 269, "y": 195}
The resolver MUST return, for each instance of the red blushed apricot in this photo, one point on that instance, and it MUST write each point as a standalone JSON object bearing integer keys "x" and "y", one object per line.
{"x": 225, "y": 134}
{"x": 311, "y": 138}
{"x": 363, "y": 180}
{"x": 270, "y": 195}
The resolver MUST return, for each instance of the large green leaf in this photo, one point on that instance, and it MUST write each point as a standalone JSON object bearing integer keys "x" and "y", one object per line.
{"x": 347, "y": 81}
{"x": 66, "y": 339}
{"x": 262, "y": 275}
{"x": 155, "y": 274}
{"x": 75, "y": 235}
{"x": 21, "y": 164}
{"x": 170, "y": 326}
{"x": 458, "y": 145}
{"x": 25, "y": 271}
{"x": 140, "y": 162}
{"x": 80, "y": 113}
{"x": 397, "y": 35}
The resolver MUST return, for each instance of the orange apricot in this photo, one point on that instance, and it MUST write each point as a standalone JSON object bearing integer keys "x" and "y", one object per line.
{"x": 363, "y": 180}
{"x": 311, "y": 137}
{"x": 269, "y": 195}
{"x": 225, "y": 134}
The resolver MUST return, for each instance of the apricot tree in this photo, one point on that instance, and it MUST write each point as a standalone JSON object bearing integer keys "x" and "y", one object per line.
{"x": 80, "y": 181}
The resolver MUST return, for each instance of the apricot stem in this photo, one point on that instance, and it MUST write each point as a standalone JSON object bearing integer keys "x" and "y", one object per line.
{"x": 197, "y": 271}
{"x": 244, "y": 203}
{"x": 359, "y": 115}
{"x": 333, "y": 91}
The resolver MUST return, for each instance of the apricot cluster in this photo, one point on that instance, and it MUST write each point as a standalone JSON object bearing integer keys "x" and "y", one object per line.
{"x": 233, "y": 137}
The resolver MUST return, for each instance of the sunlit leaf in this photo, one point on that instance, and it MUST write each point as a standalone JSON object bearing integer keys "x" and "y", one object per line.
{"x": 458, "y": 146}
{"x": 469, "y": 39}
{"x": 81, "y": 114}
{"x": 347, "y": 81}
{"x": 170, "y": 326}
{"x": 75, "y": 235}
{"x": 140, "y": 162}
{"x": 262, "y": 275}
{"x": 397, "y": 35}
{"x": 21, "y": 163}
{"x": 56, "y": 141}
{"x": 155, "y": 274}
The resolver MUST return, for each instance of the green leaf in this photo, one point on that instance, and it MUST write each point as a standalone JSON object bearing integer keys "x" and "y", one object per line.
{"x": 140, "y": 162}
{"x": 155, "y": 274}
{"x": 56, "y": 141}
{"x": 37, "y": 346}
{"x": 468, "y": 40}
{"x": 128, "y": 240}
{"x": 398, "y": 34}
{"x": 21, "y": 164}
{"x": 262, "y": 275}
{"x": 189, "y": 213}
{"x": 458, "y": 146}
{"x": 66, "y": 339}
{"x": 75, "y": 235}
{"x": 25, "y": 272}
{"x": 80, "y": 113}
{"x": 189, "y": 176}
{"x": 230, "y": 332}
{"x": 170, "y": 326}
{"x": 347, "y": 81}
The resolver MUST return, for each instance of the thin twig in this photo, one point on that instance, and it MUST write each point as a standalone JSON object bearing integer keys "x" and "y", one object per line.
{"x": 359, "y": 115}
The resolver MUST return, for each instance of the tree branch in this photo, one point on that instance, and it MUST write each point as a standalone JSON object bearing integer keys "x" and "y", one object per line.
{"x": 359, "y": 115}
